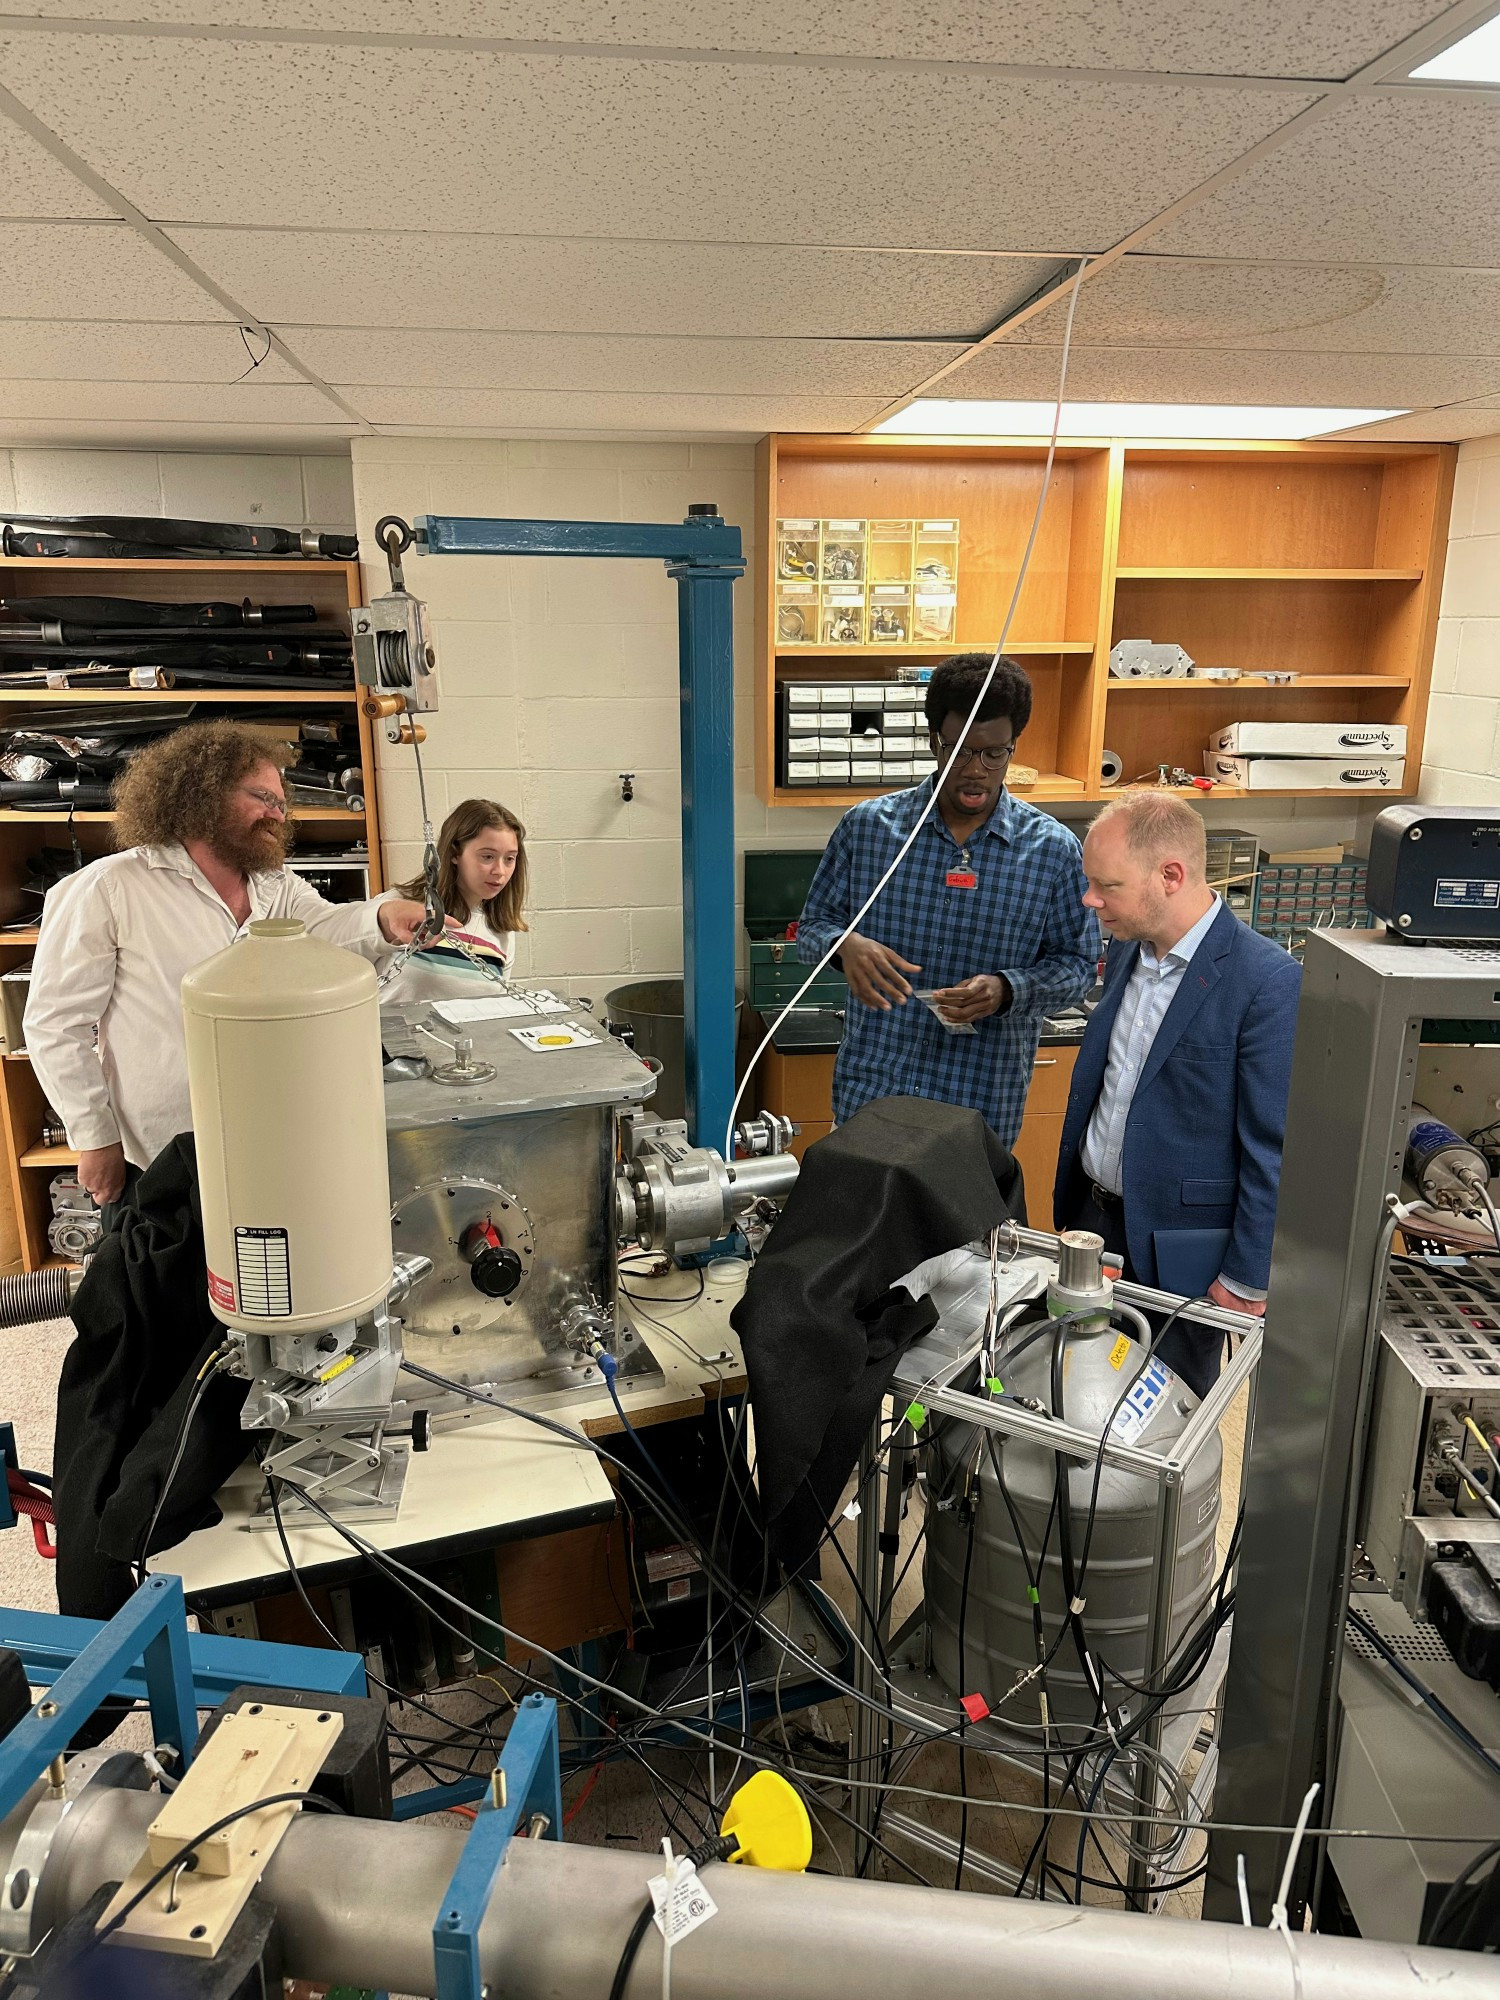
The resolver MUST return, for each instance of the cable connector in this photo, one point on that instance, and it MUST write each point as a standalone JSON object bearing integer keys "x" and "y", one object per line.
{"x": 608, "y": 1366}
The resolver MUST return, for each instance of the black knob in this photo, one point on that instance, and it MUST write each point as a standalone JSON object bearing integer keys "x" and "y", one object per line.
{"x": 496, "y": 1271}
{"x": 702, "y": 510}
{"x": 421, "y": 1429}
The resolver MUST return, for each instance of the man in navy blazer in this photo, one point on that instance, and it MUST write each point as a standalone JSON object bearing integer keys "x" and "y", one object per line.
{"x": 1171, "y": 1147}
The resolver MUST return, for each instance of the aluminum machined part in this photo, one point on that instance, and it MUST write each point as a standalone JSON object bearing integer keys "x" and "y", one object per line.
{"x": 680, "y": 1198}
{"x": 356, "y": 1901}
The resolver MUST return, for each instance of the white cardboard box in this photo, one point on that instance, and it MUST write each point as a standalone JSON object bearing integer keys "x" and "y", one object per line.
{"x": 1311, "y": 739}
{"x": 1306, "y": 774}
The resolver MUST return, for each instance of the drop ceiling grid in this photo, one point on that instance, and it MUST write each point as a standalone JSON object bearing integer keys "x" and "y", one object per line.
{"x": 616, "y": 288}
{"x": 1190, "y": 36}
{"x": 196, "y": 131}
{"x": 548, "y": 284}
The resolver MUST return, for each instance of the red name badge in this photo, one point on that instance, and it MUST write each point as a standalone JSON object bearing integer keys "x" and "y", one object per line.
{"x": 962, "y": 878}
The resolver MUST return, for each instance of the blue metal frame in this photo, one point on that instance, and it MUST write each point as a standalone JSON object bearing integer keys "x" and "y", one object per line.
{"x": 152, "y": 1630}
{"x": 48, "y": 1644}
{"x": 704, "y": 556}
{"x": 532, "y": 1770}
{"x": 145, "y": 1649}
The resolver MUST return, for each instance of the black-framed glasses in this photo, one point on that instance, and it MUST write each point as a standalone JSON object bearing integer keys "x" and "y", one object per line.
{"x": 989, "y": 760}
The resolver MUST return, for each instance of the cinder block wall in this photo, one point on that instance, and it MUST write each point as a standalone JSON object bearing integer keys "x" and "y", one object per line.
{"x": 557, "y": 676}
{"x": 1461, "y": 755}
{"x": 289, "y": 491}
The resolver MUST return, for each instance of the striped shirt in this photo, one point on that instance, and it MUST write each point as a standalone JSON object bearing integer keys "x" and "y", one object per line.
{"x": 1024, "y": 918}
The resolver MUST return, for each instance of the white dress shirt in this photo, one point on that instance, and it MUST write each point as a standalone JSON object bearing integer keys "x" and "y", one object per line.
{"x": 104, "y": 1017}
{"x": 1149, "y": 992}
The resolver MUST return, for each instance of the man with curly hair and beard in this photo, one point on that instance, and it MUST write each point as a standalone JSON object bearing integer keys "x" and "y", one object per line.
{"x": 201, "y": 818}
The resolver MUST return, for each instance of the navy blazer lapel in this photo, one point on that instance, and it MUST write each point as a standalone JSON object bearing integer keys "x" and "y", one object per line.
{"x": 1203, "y": 973}
{"x": 1089, "y": 1077}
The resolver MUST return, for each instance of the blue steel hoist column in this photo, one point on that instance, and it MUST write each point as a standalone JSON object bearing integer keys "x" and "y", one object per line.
{"x": 704, "y": 556}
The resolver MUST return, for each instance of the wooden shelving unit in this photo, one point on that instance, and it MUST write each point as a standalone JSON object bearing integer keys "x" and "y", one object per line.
{"x": 333, "y": 588}
{"x": 1322, "y": 560}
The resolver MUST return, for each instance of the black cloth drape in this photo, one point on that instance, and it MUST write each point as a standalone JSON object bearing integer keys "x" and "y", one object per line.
{"x": 820, "y": 1323}
{"x": 144, "y": 1331}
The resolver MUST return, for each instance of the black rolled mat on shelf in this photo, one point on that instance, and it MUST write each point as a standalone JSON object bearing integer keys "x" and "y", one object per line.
{"x": 106, "y": 537}
{"x": 97, "y": 612}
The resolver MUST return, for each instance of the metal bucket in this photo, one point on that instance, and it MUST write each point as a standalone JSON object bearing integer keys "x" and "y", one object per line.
{"x": 650, "y": 1010}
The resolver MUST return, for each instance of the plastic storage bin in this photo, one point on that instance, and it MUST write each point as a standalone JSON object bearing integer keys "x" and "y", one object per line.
{"x": 843, "y": 614}
{"x": 842, "y": 554}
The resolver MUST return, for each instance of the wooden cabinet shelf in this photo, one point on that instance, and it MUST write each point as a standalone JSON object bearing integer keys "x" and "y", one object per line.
{"x": 332, "y": 589}
{"x": 821, "y": 655}
{"x": 1320, "y": 560}
{"x": 1378, "y": 683}
{"x": 13, "y": 816}
{"x": 179, "y": 697}
{"x": 1051, "y": 788}
{"x": 1132, "y": 570}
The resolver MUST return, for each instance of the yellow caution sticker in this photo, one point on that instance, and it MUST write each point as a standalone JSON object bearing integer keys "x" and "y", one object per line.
{"x": 1118, "y": 1352}
{"x": 337, "y": 1368}
{"x": 554, "y": 1041}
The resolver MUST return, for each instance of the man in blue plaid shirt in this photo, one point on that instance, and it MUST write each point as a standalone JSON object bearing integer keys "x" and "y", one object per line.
{"x": 987, "y": 907}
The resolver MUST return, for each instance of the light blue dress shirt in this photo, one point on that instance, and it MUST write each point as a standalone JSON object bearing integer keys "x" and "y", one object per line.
{"x": 1148, "y": 994}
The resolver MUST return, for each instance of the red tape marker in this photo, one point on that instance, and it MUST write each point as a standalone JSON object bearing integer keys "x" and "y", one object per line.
{"x": 974, "y": 1706}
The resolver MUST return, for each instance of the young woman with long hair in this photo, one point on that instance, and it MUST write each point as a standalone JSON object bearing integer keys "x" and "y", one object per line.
{"x": 482, "y": 883}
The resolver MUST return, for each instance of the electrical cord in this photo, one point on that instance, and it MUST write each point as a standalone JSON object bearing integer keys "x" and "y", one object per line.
{"x": 1430, "y": 1701}
{"x": 187, "y": 1853}
{"x": 1434, "y": 1933}
{"x": 219, "y": 1360}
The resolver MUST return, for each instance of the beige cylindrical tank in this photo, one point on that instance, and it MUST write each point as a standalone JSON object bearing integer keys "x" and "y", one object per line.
{"x": 284, "y": 1067}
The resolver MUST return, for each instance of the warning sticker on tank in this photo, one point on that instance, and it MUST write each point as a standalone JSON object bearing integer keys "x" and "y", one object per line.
{"x": 264, "y": 1266}
{"x": 1139, "y": 1406}
{"x": 1119, "y": 1351}
{"x": 220, "y": 1291}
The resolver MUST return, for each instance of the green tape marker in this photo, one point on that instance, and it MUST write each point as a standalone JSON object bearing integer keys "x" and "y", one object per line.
{"x": 1033, "y": 1593}
{"x": 995, "y": 1386}
{"x": 916, "y": 1415}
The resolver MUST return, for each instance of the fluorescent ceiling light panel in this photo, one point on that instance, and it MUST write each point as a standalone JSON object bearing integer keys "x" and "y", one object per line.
{"x": 938, "y": 416}
{"x": 1476, "y": 59}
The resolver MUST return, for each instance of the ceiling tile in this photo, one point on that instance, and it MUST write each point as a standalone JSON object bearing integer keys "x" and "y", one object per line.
{"x": 33, "y": 183}
{"x": 159, "y": 433}
{"x": 175, "y": 402}
{"x": 223, "y": 131}
{"x": 1211, "y": 36}
{"x": 95, "y": 271}
{"x": 567, "y": 285}
{"x": 41, "y": 350}
{"x": 1191, "y": 302}
{"x": 632, "y": 366}
{"x": 526, "y": 412}
{"x": 1394, "y": 179}
{"x": 1219, "y": 375}
{"x": 1450, "y": 426}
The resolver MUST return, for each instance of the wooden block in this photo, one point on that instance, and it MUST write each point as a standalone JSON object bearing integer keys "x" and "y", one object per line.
{"x": 256, "y": 1752}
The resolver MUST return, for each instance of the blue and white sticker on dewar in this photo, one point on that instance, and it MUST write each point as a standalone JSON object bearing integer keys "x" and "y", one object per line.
{"x": 1140, "y": 1405}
